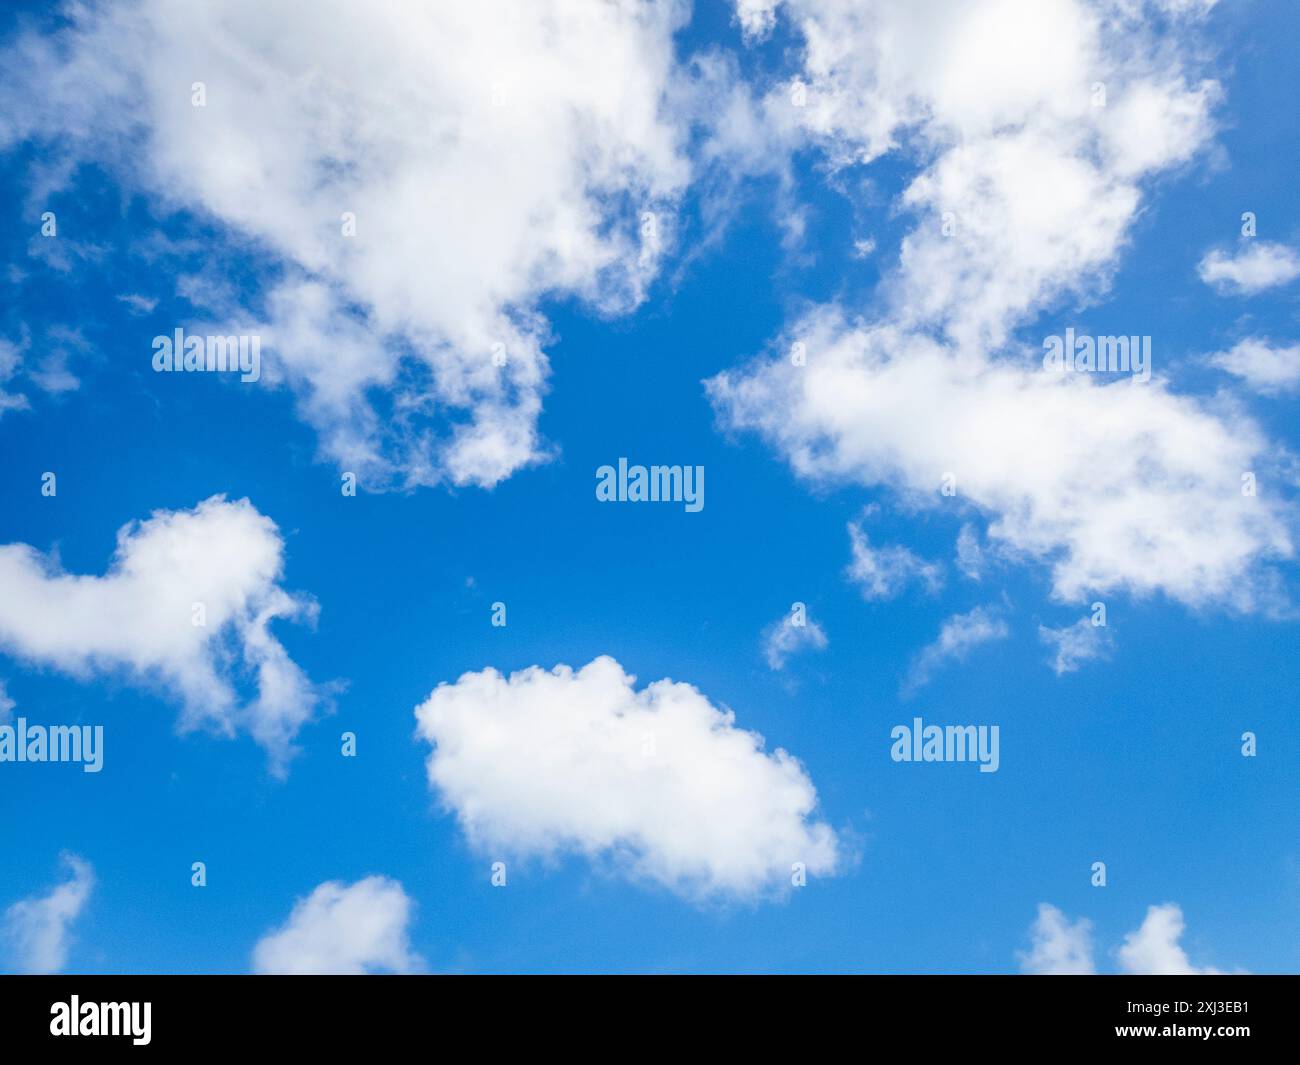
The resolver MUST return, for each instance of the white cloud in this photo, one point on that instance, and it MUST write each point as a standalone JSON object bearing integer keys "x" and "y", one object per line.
{"x": 1153, "y": 950}
{"x": 140, "y": 616}
{"x": 51, "y": 374}
{"x": 1040, "y": 180}
{"x": 659, "y": 784}
{"x": 493, "y": 154}
{"x": 1077, "y": 643}
{"x": 958, "y": 636}
{"x": 1037, "y": 123}
{"x": 38, "y": 929}
{"x": 343, "y": 929}
{"x": 784, "y": 638}
{"x": 1162, "y": 512}
{"x": 138, "y": 304}
{"x": 970, "y": 555}
{"x": 6, "y": 704}
{"x": 1260, "y": 264}
{"x": 1058, "y": 948}
{"x": 883, "y": 572}
{"x": 11, "y": 360}
{"x": 1263, "y": 366}
{"x": 756, "y": 17}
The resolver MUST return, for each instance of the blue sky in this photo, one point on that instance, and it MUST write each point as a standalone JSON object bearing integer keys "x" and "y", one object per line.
{"x": 1133, "y": 759}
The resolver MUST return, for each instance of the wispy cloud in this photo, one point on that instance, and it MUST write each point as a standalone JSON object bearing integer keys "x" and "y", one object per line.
{"x": 883, "y": 572}
{"x": 39, "y": 929}
{"x": 958, "y": 636}
{"x": 137, "y": 304}
{"x": 1076, "y": 644}
{"x": 789, "y": 635}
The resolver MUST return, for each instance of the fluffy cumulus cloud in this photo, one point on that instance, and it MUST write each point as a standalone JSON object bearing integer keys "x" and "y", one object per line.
{"x": 788, "y": 636}
{"x": 1036, "y": 123}
{"x": 958, "y": 636}
{"x": 1036, "y": 118}
{"x": 1153, "y": 949}
{"x": 38, "y": 929}
{"x": 1254, "y": 267}
{"x": 659, "y": 783}
{"x": 1057, "y": 947}
{"x": 187, "y": 604}
{"x": 756, "y": 17}
{"x": 489, "y": 155}
{"x": 1265, "y": 367}
{"x": 343, "y": 929}
{"x": 1072, "y": 645}
{"x": 1125, "y": 486}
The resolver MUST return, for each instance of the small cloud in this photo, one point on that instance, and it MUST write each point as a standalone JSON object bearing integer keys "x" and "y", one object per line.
{"x": 6, "y": 705}
{"x": 63, "y": 254}
{"x": 786, "y": 637}
{"x": 1061, "y": 948}
{"x": 1262, "y": 264}
{"x": 883, "y": 572}
{"x": 52, "y": 375}
{"x": 757, "y": 18}
{"x": 970, "y": 555}
{"x": 1076, "y": 643}
{"x": 11, "y": 360}
{"x": 343, "y": 929}
{"x": 208, "y": 291}
{"x": 38, "y": 928}
{"x": 1058, "y": 948}
{"x": 1263, "y": 366}
{"x": 958, "y": 636}
{"x": 137, "y": 304}
{"x": 1153, "y": 950}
